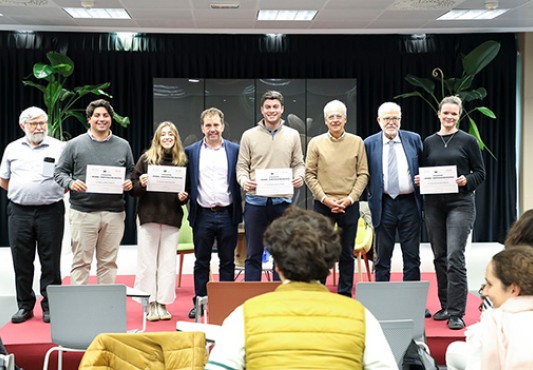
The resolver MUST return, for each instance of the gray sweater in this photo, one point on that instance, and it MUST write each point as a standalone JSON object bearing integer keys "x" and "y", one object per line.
{"x": 72, "y": 165}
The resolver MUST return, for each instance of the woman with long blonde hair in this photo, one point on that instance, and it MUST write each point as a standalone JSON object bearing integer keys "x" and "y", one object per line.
{"x": 159, "y": 217}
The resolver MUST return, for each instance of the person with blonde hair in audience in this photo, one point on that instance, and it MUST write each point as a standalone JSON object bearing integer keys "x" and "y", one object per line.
{"x": 301, "y": 325}
{"x": 502, "y": 339}
{"x": 159, "y": 216}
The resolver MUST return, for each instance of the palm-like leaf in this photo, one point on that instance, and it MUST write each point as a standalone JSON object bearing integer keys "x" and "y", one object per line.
{"x": 60, "y": 101}
{"x": 473, "y": 63}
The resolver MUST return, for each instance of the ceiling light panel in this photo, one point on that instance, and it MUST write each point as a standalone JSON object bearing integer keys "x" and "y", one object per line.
{"x": 286, "y": 15}
{"x": 98, "y": 13}
{"x": 471, "y": 14}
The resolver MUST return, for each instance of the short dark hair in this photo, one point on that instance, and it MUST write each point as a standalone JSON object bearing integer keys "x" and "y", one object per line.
{"x": 211, "y": 112}
{"x": 521, "y": 233}
{"x": 272, "y": 95}
{"x": 514, "y": 265}
{"x": 97, "y": 104}
{"x": 304, "y": 244}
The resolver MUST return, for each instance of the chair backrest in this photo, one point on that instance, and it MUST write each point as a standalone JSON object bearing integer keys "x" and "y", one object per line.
{"x": 364, "y": 237}
{"x": 225, "y": 296}
{"x": 399, "y": 334}
{"x": 78, "y": 313}
{"x": 396, "y": 300}
{"x": 185, "y": 234}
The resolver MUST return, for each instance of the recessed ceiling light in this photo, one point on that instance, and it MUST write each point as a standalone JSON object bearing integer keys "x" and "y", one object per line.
{"x": 286, "y": 15}
{"x": 98, "y": 13}
{"x": 471, "y": 14}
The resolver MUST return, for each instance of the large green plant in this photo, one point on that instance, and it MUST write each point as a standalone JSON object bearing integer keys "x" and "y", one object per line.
{"x": 436, "y": 88}
{"x": 60, "y": 101}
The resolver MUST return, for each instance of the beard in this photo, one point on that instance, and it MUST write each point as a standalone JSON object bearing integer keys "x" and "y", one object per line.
{"x": 36, "y": 137}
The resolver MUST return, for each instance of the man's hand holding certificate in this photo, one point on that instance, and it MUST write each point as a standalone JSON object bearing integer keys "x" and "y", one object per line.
{"x": 105, "y": 179}
{"x": 274, "y": 181}
{"x": 438, "y": 180}
{"x": 167, "y": 179}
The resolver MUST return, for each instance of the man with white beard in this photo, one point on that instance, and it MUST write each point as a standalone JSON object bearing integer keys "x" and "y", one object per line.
{"x": 35, "y": 210}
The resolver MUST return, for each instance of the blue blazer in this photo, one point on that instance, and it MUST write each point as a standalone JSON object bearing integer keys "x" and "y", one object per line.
{"x": 193, "y": 178}
{"x": 412, "y": 146}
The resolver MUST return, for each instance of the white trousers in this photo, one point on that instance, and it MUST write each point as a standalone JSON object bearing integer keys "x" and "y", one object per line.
{"x": 156, "y": 261}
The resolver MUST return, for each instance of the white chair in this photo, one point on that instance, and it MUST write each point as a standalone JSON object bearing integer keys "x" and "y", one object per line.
{"x": 399, "y": 334}
{"x": 78, "y": 313}
{"x": 396, "y": 300}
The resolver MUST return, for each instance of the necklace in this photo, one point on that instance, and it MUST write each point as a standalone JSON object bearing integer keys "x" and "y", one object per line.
{"x": 446, "y": 142}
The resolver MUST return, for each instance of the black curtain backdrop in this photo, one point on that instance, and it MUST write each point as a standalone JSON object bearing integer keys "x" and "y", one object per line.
{"x": 378, "y": 62}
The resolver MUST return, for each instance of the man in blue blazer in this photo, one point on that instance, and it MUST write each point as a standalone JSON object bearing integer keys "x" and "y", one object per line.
{"x": 215, "y": 201}
{"x": 393, "y": 198}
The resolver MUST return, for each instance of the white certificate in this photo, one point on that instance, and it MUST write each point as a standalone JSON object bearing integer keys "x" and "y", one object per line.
{"x": 274, "y": 181}
{"x": 438, "y": 180}
{"x": 105, "y": 179}
{"x": 166, "y": 179}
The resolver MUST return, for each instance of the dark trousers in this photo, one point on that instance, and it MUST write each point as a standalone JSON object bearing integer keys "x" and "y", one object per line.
{"x": 347, "y": 225}
{"x": 35, "y": 228}
{"x": 449, "y": 220}
{"x": 398, "y": 214}
{"x": 256, "y": 220}
{"x": 211, "y": 226}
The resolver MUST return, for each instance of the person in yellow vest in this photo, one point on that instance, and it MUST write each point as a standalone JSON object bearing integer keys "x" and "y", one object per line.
{"x": 301, "y": 325}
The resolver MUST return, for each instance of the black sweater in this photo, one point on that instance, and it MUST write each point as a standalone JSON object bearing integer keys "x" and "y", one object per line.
{"x": 462, "y": 150}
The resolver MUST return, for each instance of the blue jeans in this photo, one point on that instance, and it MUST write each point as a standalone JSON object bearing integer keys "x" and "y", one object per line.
{"x": 347, "y": 224}
{"x": 398, "y": 214}
{"x": 449, "y": 221}
{"x": 256, "y": 221}
{"x": 211, "y": 226}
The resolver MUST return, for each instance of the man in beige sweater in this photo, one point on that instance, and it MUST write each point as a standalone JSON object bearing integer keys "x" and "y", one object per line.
{"x": 336, "y": 172}
{"x": 269, "y": 145}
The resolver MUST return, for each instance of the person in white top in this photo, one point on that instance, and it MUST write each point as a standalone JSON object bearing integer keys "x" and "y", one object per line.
{"x": 502, "y": 339}
{"x": 35, "y": 209}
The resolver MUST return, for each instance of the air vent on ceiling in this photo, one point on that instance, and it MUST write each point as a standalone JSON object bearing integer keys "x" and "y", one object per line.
{"x": 25, "y": 2}
{"x": 424, "y": 4}
{"x": 223, "y": 5}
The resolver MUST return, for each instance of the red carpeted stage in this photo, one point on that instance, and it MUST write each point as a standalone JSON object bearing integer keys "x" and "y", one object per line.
{"x": 29, "y": 341}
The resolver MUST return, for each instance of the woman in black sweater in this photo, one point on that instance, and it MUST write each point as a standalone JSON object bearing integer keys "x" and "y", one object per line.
{"x": 159, "y": 216}
{"x": 450, "y": 217}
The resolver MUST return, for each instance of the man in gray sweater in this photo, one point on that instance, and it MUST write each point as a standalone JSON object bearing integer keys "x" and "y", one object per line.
{"x": 96, "y": 216}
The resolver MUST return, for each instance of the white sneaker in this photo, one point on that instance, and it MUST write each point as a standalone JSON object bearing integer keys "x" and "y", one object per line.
{"x": 153, "y": 312}
{"x": 163, "y": 312}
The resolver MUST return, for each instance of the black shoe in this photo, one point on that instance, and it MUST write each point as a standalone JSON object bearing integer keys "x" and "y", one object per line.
{"x": 456, "y": 323}
{"x": 427, "y": 313}
{"x": 192, "y": 313}
{"x": 46, "y": 316}
{"x": 21, "y": 316}
{"x": 441, "y": 315}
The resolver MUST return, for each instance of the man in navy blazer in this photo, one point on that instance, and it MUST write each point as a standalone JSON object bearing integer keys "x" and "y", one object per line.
{"x": 215, "y": 201}
{"x": 393, "y": 198}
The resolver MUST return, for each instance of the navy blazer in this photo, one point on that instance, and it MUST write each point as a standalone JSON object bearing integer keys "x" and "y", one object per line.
{"x": 412, "y": 146}
{"x": 193, "y": 178}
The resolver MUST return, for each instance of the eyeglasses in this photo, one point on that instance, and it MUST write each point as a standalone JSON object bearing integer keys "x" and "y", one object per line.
{"x": 34, "y": 124}
{"x": 335, "y": 116}
{"x": 391, "y": 119}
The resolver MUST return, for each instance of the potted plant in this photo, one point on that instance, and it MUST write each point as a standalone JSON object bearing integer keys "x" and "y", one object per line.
{"x": 436, "y": 88}
{"x": 60, "y": 101}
